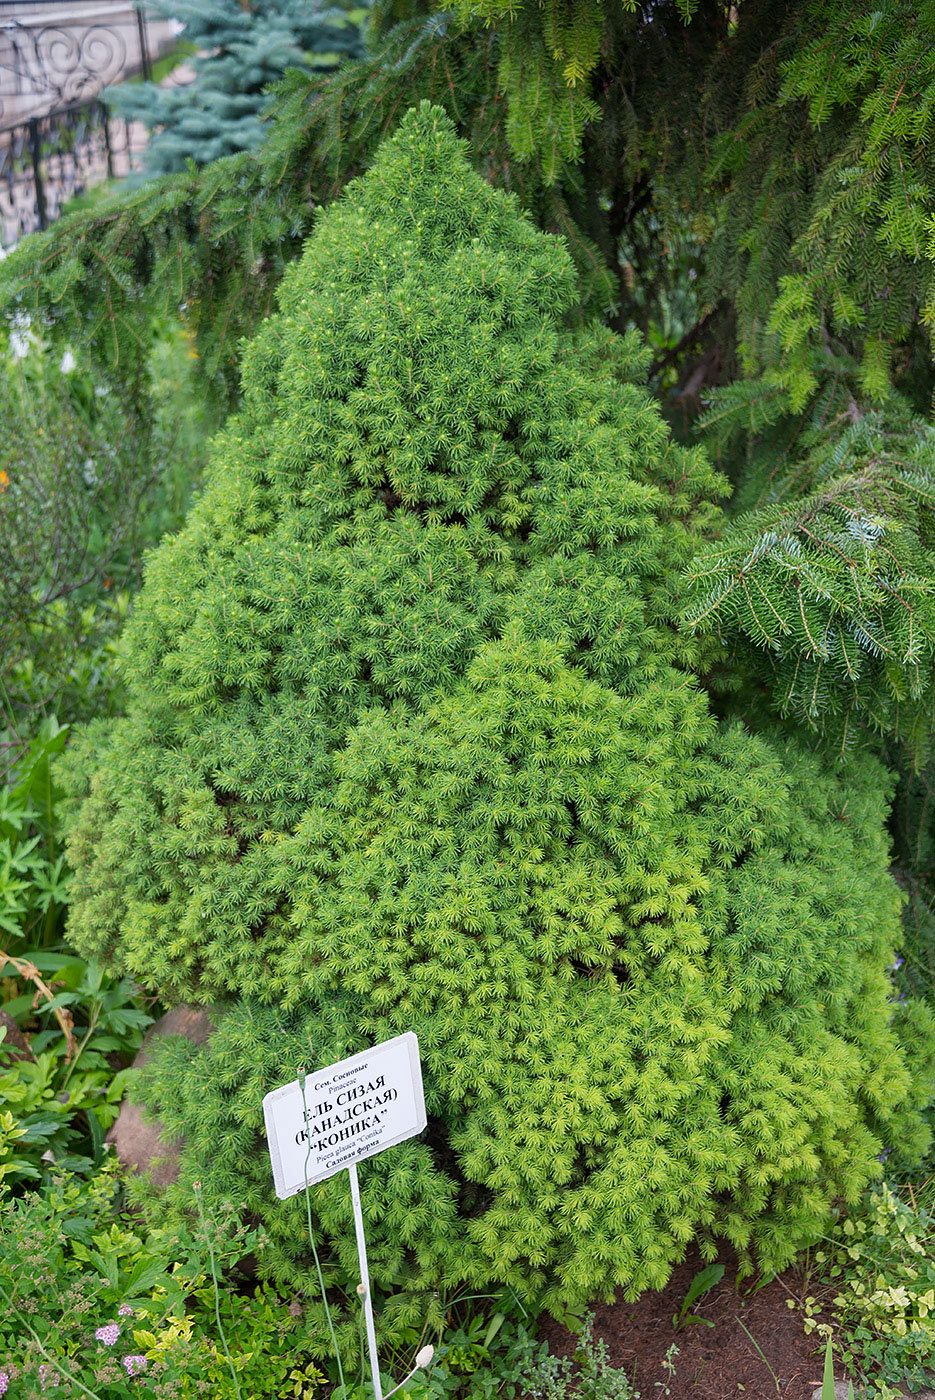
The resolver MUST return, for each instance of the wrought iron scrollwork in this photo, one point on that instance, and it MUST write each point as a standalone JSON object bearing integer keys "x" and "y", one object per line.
{"x": 69, "y": 61}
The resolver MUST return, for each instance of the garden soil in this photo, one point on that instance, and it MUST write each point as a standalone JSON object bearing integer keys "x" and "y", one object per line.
{"x": 756, "y": 1349}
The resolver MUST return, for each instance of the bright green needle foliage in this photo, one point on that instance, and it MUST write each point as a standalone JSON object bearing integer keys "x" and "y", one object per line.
{"x": 412, "y": 743}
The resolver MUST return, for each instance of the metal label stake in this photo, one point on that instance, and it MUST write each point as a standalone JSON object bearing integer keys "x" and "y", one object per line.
{"x": 365, "y": 1281}
{"x": 336, "y": 1117}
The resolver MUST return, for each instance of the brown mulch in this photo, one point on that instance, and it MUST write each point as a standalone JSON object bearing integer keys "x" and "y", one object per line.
{"x": 721, "y": 1362}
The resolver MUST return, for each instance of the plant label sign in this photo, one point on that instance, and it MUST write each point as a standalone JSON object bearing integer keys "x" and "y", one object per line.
{"x": 352, "y": 1110}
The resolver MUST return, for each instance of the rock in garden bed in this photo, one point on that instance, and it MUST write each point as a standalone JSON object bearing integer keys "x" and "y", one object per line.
{"x": 140, "y": 1142}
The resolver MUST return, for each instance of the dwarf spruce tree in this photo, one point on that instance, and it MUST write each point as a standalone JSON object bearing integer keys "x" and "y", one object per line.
{"x": 413, "y": 743}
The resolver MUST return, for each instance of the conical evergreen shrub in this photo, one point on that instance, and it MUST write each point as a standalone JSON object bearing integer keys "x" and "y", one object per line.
{"x": 413, "y": 744}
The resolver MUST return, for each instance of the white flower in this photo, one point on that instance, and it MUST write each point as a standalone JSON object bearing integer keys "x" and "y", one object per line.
{"x": 67, "y": 363}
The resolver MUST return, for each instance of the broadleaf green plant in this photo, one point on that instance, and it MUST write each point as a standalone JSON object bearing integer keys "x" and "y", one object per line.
{"x": 82, "y": 1029}
{"x": 702, "y": 1283}
{"x": 33, "y": 879}
{"x": 414, "y": 742}
{"x": 880, "y": 1261}
{"x": 68, "y": 1029}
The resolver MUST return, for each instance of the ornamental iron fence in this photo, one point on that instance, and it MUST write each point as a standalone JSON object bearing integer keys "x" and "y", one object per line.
{"x": 56, "y": 137}
{"x": 47, "y": 160}
{"x": 55, "y": 54}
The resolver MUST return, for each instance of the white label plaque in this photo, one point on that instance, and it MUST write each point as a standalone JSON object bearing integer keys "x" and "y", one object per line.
{"x": 353, "y": 1110}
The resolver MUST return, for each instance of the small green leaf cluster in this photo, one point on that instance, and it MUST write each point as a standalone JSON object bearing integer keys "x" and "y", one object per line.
{"x": 65, "y": 1024}
{"x": 484, "y": 1352}
{"x": 702, "y": 1283}
{"x": 488, "y": 1347}
{"x": 586, "y": 1375}
{"x": 413, "y": 743}
{"x": 64, "y": 1093}
{"x": 270, "y": 1351}
{"x": 74, "y": 1264}
{"x": 881, "y": 1261}
{"x": 33, "y": 879}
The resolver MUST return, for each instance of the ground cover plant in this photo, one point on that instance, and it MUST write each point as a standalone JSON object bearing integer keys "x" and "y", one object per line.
{"x": 413, "y": 742}
{"x": 877, "y": 1267}
{"x": 96, "y": 1305}
{"x": 92, "y": 1306}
